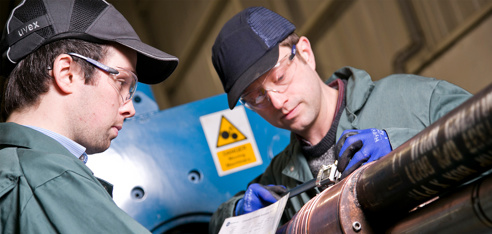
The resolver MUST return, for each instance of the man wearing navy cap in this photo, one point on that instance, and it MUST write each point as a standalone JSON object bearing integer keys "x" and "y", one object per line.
{"x": 268, "y": 68}
{"x": 71, "y": 69}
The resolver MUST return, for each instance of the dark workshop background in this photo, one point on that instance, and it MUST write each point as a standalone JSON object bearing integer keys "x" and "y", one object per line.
{"x": 445, "y": 39}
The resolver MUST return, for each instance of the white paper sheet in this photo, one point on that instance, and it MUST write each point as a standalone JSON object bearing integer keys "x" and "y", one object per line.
{"x": 264, "y": 220}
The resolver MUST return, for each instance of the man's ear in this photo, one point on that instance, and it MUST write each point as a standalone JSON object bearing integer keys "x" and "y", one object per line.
{"x": 63, "y": 72}
{"x": 306, "y": 52}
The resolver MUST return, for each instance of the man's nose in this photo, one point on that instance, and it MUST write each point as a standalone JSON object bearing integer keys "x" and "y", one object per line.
{"x": 276, "y": 98}
{"x": 127, "y": 110}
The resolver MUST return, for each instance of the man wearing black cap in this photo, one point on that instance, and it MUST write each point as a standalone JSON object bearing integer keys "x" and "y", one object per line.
{"x": 71, "y": 70}
{"x": 265, "y": 65}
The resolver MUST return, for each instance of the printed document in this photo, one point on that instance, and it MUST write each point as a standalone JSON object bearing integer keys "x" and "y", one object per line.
{"x": 264, "y": 220}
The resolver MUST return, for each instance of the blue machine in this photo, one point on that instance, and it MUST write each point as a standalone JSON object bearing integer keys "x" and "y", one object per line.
{"x": 166, "y": 168}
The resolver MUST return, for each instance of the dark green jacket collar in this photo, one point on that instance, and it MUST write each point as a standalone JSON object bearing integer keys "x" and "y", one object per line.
{"x": 20, "y": 136}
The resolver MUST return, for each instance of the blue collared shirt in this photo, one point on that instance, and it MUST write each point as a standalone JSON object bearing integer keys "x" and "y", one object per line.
{"x": 76, "y": 149}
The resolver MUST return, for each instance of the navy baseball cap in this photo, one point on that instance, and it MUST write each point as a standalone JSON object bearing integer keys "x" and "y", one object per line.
{"x": 247, "y": 47}
{"x": 34, "y": 23}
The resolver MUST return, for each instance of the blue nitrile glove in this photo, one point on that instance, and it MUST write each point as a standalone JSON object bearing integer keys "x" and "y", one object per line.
{"x": 258, "y": 196}
{"x": 356, "y": 147}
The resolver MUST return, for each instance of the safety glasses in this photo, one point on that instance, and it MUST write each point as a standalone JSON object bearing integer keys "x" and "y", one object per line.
{"x": 125, "y": 82}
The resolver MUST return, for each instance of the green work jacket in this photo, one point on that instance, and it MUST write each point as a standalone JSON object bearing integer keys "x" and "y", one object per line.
{"x": 401, "y": 104}
{"x": 45, "y": 189}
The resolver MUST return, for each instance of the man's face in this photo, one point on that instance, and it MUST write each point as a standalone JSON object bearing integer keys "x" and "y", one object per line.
{"x": 100, "y": 111}
{"x": 297, "y": 108}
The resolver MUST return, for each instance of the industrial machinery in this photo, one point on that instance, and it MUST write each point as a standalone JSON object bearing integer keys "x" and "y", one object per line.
{"x": 171, "y": 169}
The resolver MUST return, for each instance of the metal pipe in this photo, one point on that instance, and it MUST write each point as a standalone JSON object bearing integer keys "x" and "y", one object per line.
{"x": 335, "y": 210}
{"x": 468, "y": 208}
{"x": 445, "y": 155}
{"x": 450, "y": 152}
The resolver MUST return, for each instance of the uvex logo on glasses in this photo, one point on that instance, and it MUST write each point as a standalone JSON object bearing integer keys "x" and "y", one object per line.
{"x": 277, "y": 80}
{"x": 125, "y": 82}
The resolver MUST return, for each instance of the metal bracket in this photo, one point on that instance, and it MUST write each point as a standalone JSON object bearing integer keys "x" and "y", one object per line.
{"x": 328, "y": 174}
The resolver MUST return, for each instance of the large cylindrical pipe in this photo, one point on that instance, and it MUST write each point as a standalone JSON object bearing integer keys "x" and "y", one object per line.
{"x": 450, "y": 152}
{"x": 335, "y": 210}
{"x": 453, "y": 150}
{"x": 468, "y": 210}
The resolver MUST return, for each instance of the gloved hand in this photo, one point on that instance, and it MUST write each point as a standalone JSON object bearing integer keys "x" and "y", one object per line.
{"x": 258, "y": 196}
{"x": 356, "y": 147}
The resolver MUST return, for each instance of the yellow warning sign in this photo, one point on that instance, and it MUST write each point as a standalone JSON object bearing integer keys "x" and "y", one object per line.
{"x": 231, "y": 140}
{"x": 228, "y": 133}
{"x": 236, "y": 157}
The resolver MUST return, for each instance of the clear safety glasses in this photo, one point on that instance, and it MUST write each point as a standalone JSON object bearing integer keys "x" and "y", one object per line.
{"x": 277, "y": 80}
{"x": 125, "y": 82}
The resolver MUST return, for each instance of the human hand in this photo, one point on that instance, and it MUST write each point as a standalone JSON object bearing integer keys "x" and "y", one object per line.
{"x": 356, "y": 147}
{"x": 258, "y": 196}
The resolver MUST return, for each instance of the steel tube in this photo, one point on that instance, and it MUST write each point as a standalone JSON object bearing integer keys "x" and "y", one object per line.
{"x": 335, "y": 210}
{"x": 453, "y": 150}
{"x": 469, "y": 210}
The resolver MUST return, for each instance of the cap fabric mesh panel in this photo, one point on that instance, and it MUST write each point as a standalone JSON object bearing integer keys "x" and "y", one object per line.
{"x": 84, "y": 14}
{"x": 269, "y": 32}
{"x": 34, "y": 10}
{"x": 31, "y": 14}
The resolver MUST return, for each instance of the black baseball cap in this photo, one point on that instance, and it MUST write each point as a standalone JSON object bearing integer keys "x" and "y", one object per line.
{"x": 34, "y": 23}
{"x": 247, "y": 47}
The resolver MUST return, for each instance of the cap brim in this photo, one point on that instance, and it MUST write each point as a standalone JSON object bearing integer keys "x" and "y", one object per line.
{"x": 153, "y": 65}
{"x": 257, "y": 69}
